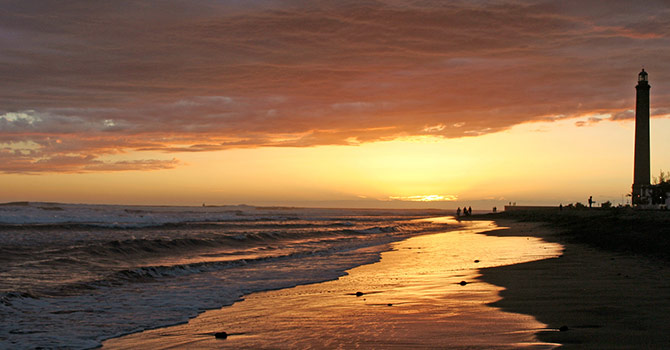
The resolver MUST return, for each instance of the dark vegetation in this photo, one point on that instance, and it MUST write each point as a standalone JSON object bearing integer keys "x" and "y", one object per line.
{"x": 660, "y": 188}
{"x": 643, "y": 232}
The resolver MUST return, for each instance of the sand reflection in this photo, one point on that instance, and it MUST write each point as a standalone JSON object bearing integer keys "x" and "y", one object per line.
{"x": 412, "y": 298}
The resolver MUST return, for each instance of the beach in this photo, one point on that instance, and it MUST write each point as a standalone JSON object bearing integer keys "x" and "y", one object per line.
{"x": 78, "y": 276}
{"x": 387, "y": 174}
{"x": 606, "y": 299}
{"x": 73, "y": 275}
{"x": 569, "y": 296}
{"x": 426, "y": 292}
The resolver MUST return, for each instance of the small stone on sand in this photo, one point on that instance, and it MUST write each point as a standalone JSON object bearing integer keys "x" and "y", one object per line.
{"x": 220, "y": 335}
{"x": 389, "y": 304}
{"x": 462, "y": 283}
{"x": 476, "y": 261}
{"x": 358, "y": 294}
{"x": 564, "y": 328}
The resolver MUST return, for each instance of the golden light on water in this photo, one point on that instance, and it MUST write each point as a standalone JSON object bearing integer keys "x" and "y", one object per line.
{"x": 412, "y": 296}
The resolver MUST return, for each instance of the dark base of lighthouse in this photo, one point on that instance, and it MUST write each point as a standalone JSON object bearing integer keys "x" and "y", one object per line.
{"x": 641, "y": 195}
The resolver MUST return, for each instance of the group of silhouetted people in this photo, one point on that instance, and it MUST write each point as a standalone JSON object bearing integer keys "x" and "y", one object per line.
{"x": 466, "y": 211}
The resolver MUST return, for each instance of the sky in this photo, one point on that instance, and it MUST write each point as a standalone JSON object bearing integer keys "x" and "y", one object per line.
{"x": 328, "y": 103}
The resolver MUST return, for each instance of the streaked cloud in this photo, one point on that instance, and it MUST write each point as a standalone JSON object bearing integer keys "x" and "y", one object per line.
{"x": 34, "y": 162}
{"x": 82, "y": 81}
{"x": 623, "y": 115}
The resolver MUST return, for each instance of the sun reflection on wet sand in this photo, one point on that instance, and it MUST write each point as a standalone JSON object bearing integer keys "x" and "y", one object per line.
{"x": 412, "y": 298}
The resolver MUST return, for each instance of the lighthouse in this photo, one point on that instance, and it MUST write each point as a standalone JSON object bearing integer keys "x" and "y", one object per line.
{"x": 641, "y": 171}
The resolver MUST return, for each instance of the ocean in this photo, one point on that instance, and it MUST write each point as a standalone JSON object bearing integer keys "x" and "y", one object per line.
{"x": 73, "y": 275}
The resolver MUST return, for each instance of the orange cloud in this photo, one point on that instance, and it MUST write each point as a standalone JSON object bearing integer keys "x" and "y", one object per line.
{"x": 82, "y": 81}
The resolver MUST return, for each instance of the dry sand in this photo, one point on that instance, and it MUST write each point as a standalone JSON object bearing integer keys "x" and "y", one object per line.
{"x": 413, "y": 299}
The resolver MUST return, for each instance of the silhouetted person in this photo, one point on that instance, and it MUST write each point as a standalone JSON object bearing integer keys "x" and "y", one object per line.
{"x": 560, "y": 206}
{"x": 469, "y": 210}
{"x": 495, "y": 209}
{"x": 458, "y": 212}
{"x": 590, "y": 201}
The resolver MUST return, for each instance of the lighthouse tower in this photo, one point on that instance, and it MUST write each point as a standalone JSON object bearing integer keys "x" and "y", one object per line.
{"x": 641, "y": 171}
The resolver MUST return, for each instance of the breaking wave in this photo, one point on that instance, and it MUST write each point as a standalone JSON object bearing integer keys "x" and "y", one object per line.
{"x": 72, "y": 275}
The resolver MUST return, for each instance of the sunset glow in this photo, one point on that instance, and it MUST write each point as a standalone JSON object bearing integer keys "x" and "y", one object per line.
{"x": 363, "y": 104}
{"x": 426, "y": 198}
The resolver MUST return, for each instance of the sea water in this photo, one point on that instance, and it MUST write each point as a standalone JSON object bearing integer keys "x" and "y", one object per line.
{"x": 72, "y": 275}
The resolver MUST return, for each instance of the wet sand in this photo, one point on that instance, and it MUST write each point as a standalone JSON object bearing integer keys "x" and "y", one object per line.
{"x": 607, "y": 300}
{"x": 411, "y": 298}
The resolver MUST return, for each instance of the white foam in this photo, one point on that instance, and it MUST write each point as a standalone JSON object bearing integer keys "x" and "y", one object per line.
{"x": 85, "y": 320}
{"x": 120, "y": 216}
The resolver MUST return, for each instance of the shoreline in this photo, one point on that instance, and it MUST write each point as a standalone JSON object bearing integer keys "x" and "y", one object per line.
{"x": 606, "y": 299}
{"x": 412, "y": 298}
